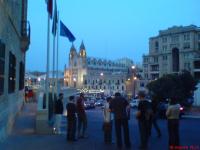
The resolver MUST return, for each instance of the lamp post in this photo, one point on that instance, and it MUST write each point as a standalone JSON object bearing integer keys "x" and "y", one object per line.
{"x": 134, "y": 78}
{"x": 74, "y": 79}
{"x": 134, "y": 82}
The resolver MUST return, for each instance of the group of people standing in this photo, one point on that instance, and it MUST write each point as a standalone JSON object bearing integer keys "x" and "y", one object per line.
{"x": 75, "y": 112}
{"x": 117, "y": 111}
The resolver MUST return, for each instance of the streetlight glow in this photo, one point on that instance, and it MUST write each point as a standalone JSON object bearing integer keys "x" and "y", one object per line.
{"x": 74, "y": 79}
{"x": 133, "y": 67}
{"x": 101, "y": 74}
{"x": 135, "y": 78}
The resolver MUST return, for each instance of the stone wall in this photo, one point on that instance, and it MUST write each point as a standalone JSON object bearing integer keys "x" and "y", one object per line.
{"x": 10, "y": 27}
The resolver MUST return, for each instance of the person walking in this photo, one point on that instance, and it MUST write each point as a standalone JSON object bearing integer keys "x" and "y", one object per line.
{"x": 71, "y": 119}
{"x": 82, "y": 118}
{"x": 120, "y": 107}
{"x": 107, "y": 125}
{"x": 155, "y": 104}
{"x": 144, "y": 115}
{"x": 172, "y": 113}
{"x": 58, "y": 109}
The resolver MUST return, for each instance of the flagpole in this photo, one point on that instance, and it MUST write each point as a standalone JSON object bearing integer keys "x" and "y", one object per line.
{"x": 53, "y": 73}
{"x": 47, "y": 67}
{"x": 57, "y": 83}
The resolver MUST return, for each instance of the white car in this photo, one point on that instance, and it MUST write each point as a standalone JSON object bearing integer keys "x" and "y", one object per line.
{"x": 134, "y": 103}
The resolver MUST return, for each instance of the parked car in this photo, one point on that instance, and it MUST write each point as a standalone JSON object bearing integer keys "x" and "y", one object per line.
{"x": 134, "y": 103}
{"x": 99, "y": 103}
{"x": 89, "y": 104}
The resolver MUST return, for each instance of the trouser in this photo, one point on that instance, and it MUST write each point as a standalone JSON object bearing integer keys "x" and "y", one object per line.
{"x": 144, "y": 132}
{"x": 173, "y": 131}
{"x": 119, "y": 124}
{"x": 154, "y": 123}
{"x": 82, "y": 125}
{"x": 58, "y": 118}
{"x": 107, "y": 127}
{"x": 71, "y": 128}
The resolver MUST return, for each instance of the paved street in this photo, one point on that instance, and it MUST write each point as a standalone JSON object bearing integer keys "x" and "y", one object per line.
{"x": 23, "y": 136}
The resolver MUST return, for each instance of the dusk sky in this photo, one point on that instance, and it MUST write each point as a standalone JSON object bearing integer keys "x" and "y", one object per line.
{"x": 110, "y": 29}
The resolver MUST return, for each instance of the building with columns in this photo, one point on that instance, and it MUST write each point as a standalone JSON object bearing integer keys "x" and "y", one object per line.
{"x": 14, "y": 42}
{"x": 173, "y": 50}
{"x": 95, "y": 75}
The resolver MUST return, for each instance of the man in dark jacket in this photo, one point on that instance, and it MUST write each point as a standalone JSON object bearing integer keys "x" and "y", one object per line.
{"x": 82, "y": 118}
{"x": 120, "y": 107}
{"x": 58, "y": 109}
{"x": 155, "y": 104}
{"x": 71, "y": 119}
{"x": 144, "y": 116}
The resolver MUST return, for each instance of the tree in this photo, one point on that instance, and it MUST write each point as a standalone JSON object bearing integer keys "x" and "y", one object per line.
{"x": 181, "y": 86}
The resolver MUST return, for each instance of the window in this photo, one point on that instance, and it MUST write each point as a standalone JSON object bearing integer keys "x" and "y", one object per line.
{"x": 146, "y": 76}
{"x": 12, "y": 73}
{"x": 21, "y": 75}
{"x": 164, "y": 48}
{"x": 156, "y": 45}
{"x": 141, "y": 84}
{"x": 2, "y": 66}
{"x": 155, "y": 59}
{"x": 164, "y": 39}
{"x": 122, "y": 88}
{"x": 198, "y": 36}
{"x": 186, "y": 56}
{"x": 109, "y": 82}
{"x": 199, "y": 46}
{"x": 186, "y": 45}
{"x": 146, "y": 60}
{"x": 186, "y": 36}
{"x": 165, "y": 57}
{"x": 155, "y": 68}
{"x": 85, "y": 82}
{"x": 175, "y": 38}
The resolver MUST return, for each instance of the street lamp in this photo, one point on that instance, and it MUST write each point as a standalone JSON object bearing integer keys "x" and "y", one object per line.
{"x": 134, "y": 79}
{"x": 133, "y": 67}
{"x": 74, "y": 79}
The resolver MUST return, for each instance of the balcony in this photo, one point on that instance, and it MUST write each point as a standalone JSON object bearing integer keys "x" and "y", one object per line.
{"x": 25, "y": 35}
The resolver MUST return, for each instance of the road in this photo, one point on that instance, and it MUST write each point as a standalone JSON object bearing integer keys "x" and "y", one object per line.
{"x": 189, "y": 131}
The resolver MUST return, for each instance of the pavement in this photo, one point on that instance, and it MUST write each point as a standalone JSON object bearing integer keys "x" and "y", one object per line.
{"x": 24, "y": 137}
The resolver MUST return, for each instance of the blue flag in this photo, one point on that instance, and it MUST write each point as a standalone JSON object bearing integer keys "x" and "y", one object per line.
{"x": 64, "y": 31}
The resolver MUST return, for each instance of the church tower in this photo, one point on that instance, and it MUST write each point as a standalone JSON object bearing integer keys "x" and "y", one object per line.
{"x": 82, "y": 54}
{"x": 72, "y": 56}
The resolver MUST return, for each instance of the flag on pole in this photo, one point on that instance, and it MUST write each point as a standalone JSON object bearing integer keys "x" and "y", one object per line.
{"x": 64, "y": 31}
{"x": 50, "y": 7}
{"x": 55, "y": 20}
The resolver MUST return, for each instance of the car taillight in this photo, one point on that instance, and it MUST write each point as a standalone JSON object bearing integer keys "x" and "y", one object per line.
{"x": 181, "y": 108}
